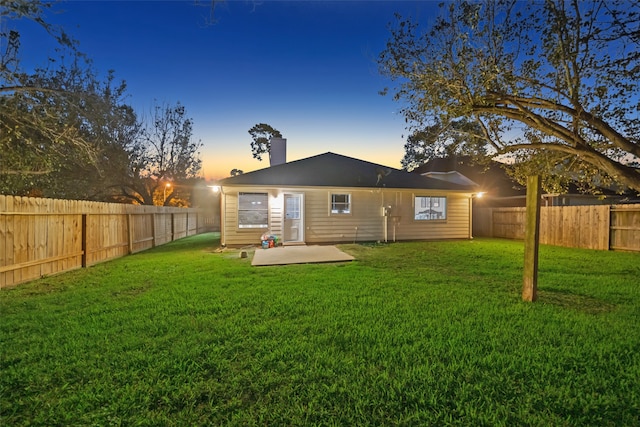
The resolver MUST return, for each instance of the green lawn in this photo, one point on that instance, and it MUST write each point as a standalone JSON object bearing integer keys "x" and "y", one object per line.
{"x": 421, "y": 333}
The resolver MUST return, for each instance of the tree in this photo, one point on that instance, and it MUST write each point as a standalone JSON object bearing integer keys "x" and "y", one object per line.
{"x": 460, "y": 137}
{"x": 552, "y": 85}
{"x": 261, "y": 135}
{"x": 64, "y": 132}
{"x": 32, "y": 10}
{"x": 30, "y": 102}
{"x": 165, "y": 153}
{"x": 62, "y": 129}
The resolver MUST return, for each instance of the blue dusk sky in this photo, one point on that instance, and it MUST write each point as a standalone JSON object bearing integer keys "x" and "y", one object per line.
{"x": 307, "y": 68}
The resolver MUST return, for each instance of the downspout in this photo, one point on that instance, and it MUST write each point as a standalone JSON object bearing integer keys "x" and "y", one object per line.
{"x": 223, "y": 209}
{"x": 395, "y": 223}
{"x": 395, "y": 218}
{"x": 384, "y": 219}
{"x": 471, "y": 216}
{"x": 384, "y": 214}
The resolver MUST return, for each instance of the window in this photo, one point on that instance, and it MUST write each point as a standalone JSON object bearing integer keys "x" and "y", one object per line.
{"x": 340, "y": 203}
{"x": 430, "y": 208}
{"x": 253, "y": 210}
{"x": 292, "y": 206}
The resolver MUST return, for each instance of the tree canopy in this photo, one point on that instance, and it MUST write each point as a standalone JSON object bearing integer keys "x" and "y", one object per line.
{"x": 261, "y": 135}
{"x": 552, "y": 86}
{"x": 63, "y": 133}
{"x": 43, "y": 113}
{"x": 164, "y": 153}
{"x": 461, "y": 137}
{"x": 66, "y": 132}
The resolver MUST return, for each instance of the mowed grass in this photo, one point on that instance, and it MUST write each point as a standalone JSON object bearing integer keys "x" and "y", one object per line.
{"x": 420, "y": 333}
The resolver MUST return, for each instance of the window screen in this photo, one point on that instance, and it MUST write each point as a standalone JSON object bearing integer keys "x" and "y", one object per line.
{"x": 253, "y": 210}
{"x": 430, "y": 208}
{"x": 340, "y": 203}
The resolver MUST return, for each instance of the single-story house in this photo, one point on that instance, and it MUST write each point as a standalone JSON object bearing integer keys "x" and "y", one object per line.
{"x": 330, "y": 198}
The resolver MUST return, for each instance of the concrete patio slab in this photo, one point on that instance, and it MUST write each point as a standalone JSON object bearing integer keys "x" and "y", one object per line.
{"x": 298, "y": 255}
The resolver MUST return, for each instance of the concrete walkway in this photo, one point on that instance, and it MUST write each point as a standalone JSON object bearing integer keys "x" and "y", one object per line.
{"x": 298, "y": 255}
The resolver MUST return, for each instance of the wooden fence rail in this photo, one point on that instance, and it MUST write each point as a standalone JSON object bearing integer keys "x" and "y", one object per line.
{"x": 601, "y": 227}
{"x": 39, "y": 237}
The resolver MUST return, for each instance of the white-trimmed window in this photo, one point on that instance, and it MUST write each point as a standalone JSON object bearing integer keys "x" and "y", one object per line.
{"x": 428, "y": 208}
{"x": 253, "y": 210}
{"x": 340, "y": 203}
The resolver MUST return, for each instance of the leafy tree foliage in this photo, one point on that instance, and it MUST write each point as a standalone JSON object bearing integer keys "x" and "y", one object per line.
{"x": 61, "y": 126}
{"x": 460, "y": 137}
{"x": 66, "y": 133}
{"x": 553, "y": 85}
{"x": 32, "y": 135}
{"x": 165, "y": 153}
{"x": 261, "y": 135}
{"x": 33, "y": 10}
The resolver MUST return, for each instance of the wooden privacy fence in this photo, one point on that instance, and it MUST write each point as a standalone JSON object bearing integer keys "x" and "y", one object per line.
{"x": 39, "y": 237}
{"x": 593, "y": 227}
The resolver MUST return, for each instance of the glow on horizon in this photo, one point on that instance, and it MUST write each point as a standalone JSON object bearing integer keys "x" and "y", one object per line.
{"x": 375, "y": 135}
{"x": 217, "y": 163}
{"x": 306, "y": 68}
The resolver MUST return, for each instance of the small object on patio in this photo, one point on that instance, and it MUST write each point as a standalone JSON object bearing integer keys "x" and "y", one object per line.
{"x": 270, "y": 240}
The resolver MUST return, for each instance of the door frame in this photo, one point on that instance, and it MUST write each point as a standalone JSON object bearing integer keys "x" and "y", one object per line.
{"x": 301, "y": 233}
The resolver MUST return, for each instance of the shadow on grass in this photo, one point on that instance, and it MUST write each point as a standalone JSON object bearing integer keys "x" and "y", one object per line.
{"x": 577, "y": 302}
{"x": 206, "y": 241}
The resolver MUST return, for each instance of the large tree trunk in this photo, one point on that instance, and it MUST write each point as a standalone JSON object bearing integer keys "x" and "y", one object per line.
{"x": 531, "y": 240}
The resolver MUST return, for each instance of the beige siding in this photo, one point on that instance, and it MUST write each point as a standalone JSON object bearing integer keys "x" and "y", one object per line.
{"x": 456, "y": 226}
{"x": 365, "y": 222}
{"x": 276, "y": 212}
{"x": 231, "y": 235}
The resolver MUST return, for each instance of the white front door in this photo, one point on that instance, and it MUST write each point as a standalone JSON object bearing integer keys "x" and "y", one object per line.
{"x": 293, "y": 219}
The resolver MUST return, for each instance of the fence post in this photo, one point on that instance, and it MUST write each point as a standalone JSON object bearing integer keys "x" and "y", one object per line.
{"x": 153, "y": 230}
{"x": 130, "y": 234}
{"x": 83, "y": 238}
{"x": 610, "y": 213}
{"x": 491, "y": 220}
{"x": 173, "y": 227}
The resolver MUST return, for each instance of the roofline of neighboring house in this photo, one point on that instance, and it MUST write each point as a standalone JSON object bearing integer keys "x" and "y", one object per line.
{"x": 522, "y": 196}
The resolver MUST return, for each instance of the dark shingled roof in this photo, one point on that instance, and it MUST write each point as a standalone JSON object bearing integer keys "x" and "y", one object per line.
{"x": 491, "y": 178}
{"x": 335, "y": 170}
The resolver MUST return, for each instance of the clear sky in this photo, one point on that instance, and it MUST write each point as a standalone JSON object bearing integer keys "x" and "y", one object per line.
{"x": 307, "y": 68}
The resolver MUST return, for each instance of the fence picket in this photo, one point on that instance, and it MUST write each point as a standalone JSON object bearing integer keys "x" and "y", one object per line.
{"x": 600, "y": 227}
{"x": 47, "y": 236}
